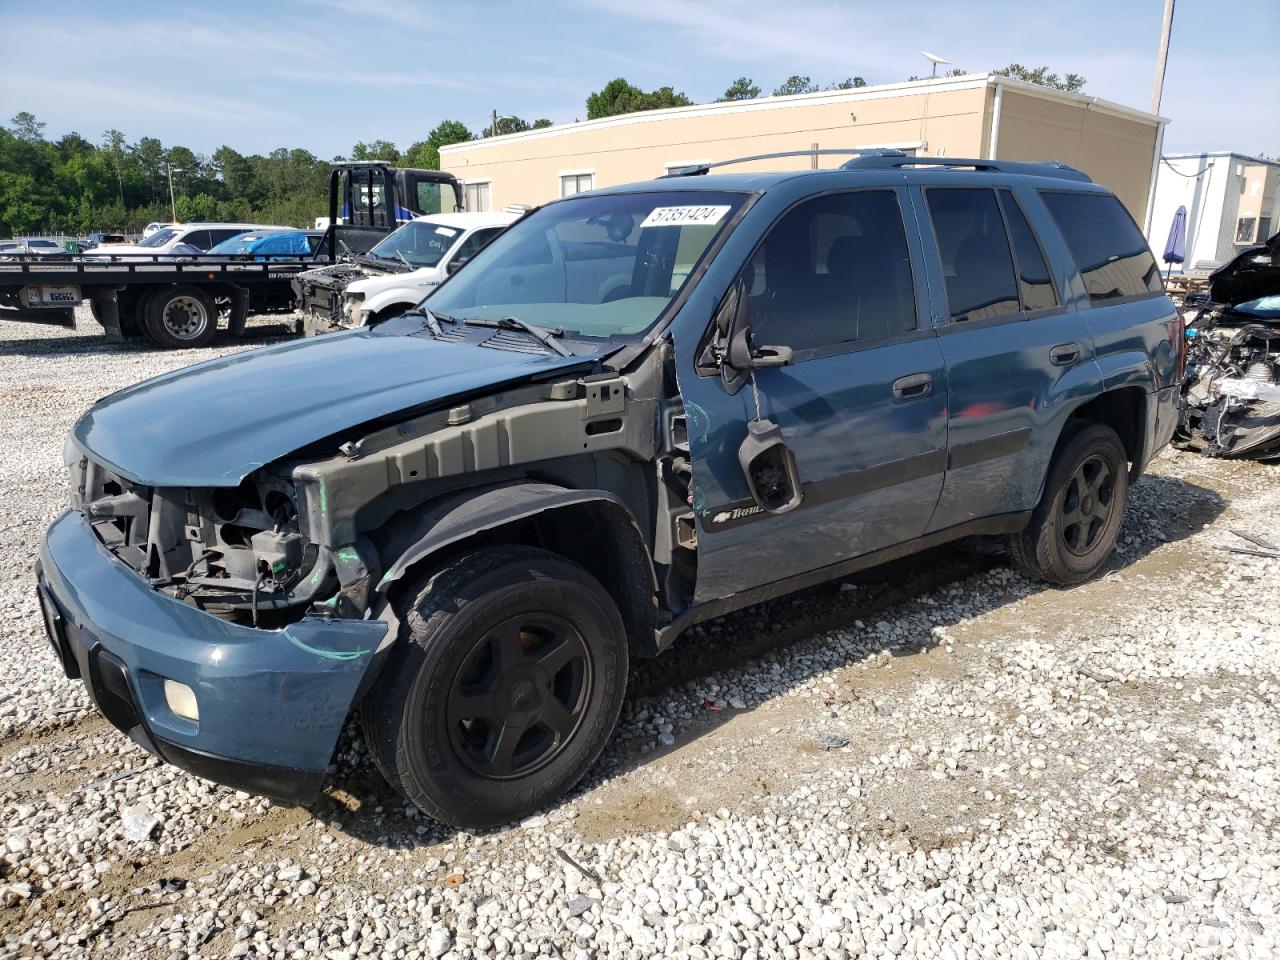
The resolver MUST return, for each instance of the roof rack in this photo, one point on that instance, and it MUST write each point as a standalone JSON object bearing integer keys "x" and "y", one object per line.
{"x": 1051, "y": 168}
{"x": 883, "y": 158}
{"x": 700, "y": 169}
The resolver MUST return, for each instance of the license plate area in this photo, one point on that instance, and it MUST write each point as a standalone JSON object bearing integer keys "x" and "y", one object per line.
{"x": 50, "y": 296}
{"x": 55, "y": 628}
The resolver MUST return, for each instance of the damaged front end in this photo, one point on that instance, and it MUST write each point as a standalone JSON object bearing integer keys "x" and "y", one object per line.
{"x": 1231, "y": 391}
{"x": 322, "y": 305}
{"x": 237, "y": 553}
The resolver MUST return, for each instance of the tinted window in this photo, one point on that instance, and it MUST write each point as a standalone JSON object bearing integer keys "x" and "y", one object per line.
{"x": 975, "y": 253}
{"x": 1033, "y": 274}
{"x": 200, "y": 239}
{"x": 217, "y": 236}
{"x": 1109, "y": 250}
{"x": 471, "y": 246}
{"x": 833, "y": 270}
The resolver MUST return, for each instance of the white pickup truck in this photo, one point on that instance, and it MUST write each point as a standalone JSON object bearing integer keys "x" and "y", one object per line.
{"x": 397, "y": 273}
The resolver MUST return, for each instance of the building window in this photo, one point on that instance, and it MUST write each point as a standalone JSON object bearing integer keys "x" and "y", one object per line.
{"x": 476, "y": 196}
{"x": 1264, "y": 229}
{"x": 1246, "y": 229}
{"x": 571, "y": 183}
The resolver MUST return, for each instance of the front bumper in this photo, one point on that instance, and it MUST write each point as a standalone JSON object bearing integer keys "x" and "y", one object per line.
{"x": 271, "y": 702}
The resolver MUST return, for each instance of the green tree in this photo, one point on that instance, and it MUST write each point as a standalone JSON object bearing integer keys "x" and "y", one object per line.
{"x": 1071, "y": 83}
{"x": 425, "y": 154}
{"x": 740, "y": 89}
{"x": 795, "y": 84}
{"x": 540, "y": 123}
{"x": 27, "y": 128}
{"x": 849, "y": 83}
{"x": 617, "y": 96}
{"x": 383, "y": 150}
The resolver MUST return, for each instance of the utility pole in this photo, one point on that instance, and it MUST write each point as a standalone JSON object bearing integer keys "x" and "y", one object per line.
{"x": 173, "y": 203}
{"x": 1162, "y": 59}
{"x": 493, "y": 130}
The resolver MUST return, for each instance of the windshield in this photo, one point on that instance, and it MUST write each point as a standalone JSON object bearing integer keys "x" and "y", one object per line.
{"x": 241, "y": 243}
{"x": 596, "y": 266}
{"x": 421, "y": 242}
{"x": 159, "y": 238}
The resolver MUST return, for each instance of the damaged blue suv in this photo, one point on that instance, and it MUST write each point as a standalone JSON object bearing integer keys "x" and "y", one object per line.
{"x": 636, "y": 409}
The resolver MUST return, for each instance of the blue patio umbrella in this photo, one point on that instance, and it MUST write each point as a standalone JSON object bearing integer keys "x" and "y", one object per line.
{"x": 1175, "y": 248}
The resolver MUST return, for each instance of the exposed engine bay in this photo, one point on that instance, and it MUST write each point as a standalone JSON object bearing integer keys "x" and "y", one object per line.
{"x": 1231, "y": 391}
{"x": 236, "y": 553}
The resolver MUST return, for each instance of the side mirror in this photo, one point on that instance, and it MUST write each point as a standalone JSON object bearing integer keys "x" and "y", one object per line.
{"x": 743, "y": 355}
{"x": 456, "y": 264}
{"x": 770, "y": 468}
{"x": 739, "y": 355}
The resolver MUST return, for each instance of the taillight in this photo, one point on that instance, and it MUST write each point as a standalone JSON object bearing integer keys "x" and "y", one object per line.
{"x": 1178, "y": 340}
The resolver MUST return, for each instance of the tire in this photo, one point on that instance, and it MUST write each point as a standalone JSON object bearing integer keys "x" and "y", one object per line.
{"x": 1074, "y": 527}
{"x": 500, "y": 758}
{"x": 180, "y": 317}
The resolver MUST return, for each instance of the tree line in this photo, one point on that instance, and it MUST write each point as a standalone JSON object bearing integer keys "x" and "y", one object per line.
{"x": 73, "y": 185}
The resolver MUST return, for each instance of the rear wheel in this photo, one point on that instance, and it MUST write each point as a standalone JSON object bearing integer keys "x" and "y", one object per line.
{"x": 503, "y": 688}
{"x": 1074, "y": 528}
{"x": 180, "y": 317}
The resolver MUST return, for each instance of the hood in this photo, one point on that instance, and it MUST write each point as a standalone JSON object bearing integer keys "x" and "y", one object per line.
{"x": 212, "y": 424}
{"x": 369, "y": 286}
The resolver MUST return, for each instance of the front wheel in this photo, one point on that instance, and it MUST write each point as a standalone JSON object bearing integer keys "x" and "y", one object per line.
{"x": 1074, "y": 528}
{"x": 503, "y": 688}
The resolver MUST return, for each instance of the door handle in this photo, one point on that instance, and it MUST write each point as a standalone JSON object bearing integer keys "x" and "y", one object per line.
{"x": 913, "y": 386}
{"x": 1064, "y": 354}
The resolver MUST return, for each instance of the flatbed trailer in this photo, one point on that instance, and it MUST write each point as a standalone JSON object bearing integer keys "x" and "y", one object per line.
{"x": 174, "y": 302}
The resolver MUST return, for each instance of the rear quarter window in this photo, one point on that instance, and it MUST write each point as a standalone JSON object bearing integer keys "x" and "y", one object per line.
{"x": 1108, "y": 248}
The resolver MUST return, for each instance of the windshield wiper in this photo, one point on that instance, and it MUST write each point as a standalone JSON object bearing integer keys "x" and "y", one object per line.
{"x": 404, "y": 260}
{"x": 544, "y": 335}
{"x": 433, "y": 319}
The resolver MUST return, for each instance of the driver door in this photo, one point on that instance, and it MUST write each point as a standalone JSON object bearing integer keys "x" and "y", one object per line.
{"x": 861, "y": 405}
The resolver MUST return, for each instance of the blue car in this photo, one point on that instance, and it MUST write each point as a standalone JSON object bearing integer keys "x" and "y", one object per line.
{"x": 635, "y": 409}
{"x": 263, "y": 245}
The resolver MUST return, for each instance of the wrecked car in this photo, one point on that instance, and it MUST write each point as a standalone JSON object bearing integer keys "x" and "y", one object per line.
{"x": 1231, "y": 393}
{"x": 394, "y": 275}
{"x": 1250, "y": 274}
{"x": 638, "y": 408}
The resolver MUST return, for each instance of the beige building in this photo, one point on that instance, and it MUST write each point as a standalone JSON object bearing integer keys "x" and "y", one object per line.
{"x": 979, "y": 115}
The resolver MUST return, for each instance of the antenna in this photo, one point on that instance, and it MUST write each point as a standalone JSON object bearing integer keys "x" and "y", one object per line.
{"x": 934, "y": 59}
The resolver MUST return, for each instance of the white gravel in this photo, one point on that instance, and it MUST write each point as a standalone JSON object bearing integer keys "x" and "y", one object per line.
{"x": 940, "y": 760}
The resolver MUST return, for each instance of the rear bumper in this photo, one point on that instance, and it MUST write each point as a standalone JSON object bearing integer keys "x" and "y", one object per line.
{"x": 271, "y": 702}
{"x": 1162, "y": 420}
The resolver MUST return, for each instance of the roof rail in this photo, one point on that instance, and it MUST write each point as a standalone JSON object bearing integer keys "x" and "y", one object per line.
{"x": 700, "y": 169}
{"x": 1052, "y": 168}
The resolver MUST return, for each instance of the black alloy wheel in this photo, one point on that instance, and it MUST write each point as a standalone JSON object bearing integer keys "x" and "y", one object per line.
{"x": 520, "y": 695}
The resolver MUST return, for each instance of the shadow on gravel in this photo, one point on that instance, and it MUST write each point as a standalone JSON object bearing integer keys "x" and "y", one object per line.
{"x": 361, "y": 804}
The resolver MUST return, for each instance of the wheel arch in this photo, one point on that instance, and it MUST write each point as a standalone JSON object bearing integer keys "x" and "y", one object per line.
{"x": 593, "y": 528}
{"x": 1124, "y": 410}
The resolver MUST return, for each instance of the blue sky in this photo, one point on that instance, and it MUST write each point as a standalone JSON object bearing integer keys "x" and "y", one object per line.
{"x": 323, "y": 74}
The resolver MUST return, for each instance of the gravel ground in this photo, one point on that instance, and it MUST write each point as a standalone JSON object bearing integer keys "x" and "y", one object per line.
{"x": 938, "y": 759}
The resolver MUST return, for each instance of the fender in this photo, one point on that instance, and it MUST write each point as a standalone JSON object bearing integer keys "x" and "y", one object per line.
{"x": 1130, "y": 368}
{"x": 406, "y": 295}
{"x": 413, "y": 537}
{"x": 457, "y": 516}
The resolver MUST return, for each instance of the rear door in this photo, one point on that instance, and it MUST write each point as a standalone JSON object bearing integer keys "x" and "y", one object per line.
{"x": 1017, "y": 360}
{"x": 862, "y": 406}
